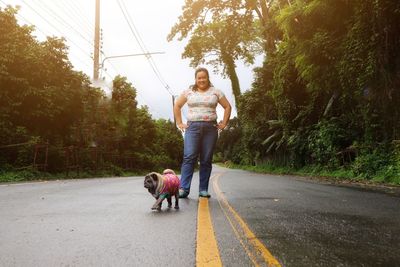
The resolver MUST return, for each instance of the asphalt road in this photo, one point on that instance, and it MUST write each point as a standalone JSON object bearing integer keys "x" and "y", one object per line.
{"x": 308, "y": 223}
{"x": 108, "y": 222}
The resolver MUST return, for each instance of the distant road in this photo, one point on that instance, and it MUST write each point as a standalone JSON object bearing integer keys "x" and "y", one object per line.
{"x": 108, "y": 222}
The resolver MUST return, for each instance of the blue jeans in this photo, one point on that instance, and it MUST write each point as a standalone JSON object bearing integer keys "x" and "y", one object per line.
{"x": 200, "y": 139}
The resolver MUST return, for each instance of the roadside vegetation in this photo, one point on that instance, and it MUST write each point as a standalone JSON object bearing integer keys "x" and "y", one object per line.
{"x": 53, "y": 121}
{"x": 339, "y": 175}
{"x": 326, "y": 100}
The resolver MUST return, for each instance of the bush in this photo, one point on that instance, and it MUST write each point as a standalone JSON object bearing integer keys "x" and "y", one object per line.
{"x": 369, "y": 163}
{"x": 17, "y": 176}
{"x": 324, "y": 142}
{"x": 391, "y": 172}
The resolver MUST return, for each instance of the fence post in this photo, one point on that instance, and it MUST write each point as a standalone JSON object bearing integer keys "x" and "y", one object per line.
{"x": 72, "y": 158}
{"x": 38, "y": 148}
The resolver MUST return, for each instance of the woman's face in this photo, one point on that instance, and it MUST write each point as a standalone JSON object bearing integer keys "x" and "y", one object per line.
{"x": 202, "y": 80}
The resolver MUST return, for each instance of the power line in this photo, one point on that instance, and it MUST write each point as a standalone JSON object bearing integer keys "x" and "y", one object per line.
{"x": 40, "y": 30}
{"x": 142, "y": 46}
{"x": 91, "y": 43}
{"x": 47, "y": 12}
{"x": 143, "y": 99}
{"x": 152, "y": 62}
{"x": 51, "y": 12}
{"x": 75, "y": 17}
{"x": 34, "y": 10}
{"x": 27, "y": 21}
{"x": 79, "y": 13}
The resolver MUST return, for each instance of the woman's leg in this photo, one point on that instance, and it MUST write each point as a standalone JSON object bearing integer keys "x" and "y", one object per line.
{"x": 190, "y": 153}
{"x": 208, "y": 140}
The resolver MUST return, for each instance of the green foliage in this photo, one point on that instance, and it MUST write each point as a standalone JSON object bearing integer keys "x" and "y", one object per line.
{"x": 17, "y": 176}
{"x": 381, "y": 163}
{"x": 229, "y": 145}
{"x": 169, "y": 145}
{"x": 370, "y": 161}
{"x": 325, "y": 141}
{"x": 45, "y": 91}
{"x": 222, "y": 32}
{"x": 327, "y": 91}
{"x": 43, "y": 100}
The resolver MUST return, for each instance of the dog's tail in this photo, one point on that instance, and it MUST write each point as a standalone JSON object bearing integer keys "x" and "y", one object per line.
{"x": 166, "y": 171}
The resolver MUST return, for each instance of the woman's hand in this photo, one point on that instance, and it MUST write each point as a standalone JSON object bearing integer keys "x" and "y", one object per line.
{"x": 182, "y": 127}
{"x": 221, "y": 125}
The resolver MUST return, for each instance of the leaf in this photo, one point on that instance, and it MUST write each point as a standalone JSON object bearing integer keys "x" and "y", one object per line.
{"x": 271, "y": 137}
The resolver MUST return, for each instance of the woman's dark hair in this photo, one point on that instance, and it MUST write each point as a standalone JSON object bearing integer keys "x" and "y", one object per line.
{"x": 201, "y": 69}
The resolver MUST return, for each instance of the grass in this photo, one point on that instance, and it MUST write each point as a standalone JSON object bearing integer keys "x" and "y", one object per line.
{"x": 33, "y": 175}
{"x": 341, "y": 174}
{"x": 12, "y": 176}
{"x": 388, "y": 176}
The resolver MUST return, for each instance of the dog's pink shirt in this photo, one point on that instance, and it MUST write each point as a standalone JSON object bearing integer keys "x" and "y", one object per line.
{"x": 170, "y": 184}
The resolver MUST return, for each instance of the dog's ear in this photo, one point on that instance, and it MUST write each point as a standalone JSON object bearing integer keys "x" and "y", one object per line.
{"x": 154, "y": 177}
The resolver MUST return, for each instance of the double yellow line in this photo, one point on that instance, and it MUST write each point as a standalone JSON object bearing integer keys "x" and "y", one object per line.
{"x": 207, "y": 253}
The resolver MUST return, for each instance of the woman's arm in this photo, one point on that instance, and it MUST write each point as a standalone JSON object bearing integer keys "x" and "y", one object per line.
{"x": 227, "y": 112}
{"x": 179, "y": 102}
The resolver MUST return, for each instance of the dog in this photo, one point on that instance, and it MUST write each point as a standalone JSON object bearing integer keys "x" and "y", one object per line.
{"x": 163, "y": 187}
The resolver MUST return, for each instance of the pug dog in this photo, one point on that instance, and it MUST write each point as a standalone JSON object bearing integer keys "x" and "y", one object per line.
{"x": 163, "y": 186}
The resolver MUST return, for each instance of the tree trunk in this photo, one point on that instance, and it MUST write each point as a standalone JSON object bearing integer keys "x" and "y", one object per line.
{"x": 231, "y": 72}
{"x": 264, "y": 15}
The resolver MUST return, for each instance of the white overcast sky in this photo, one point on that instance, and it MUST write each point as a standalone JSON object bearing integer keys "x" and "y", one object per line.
{"x": 152, "y": 19}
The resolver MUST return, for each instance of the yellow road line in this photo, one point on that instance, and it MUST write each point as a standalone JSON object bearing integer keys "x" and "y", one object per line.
{"x": 256, "y": 250}
{"x": 207, "y": 253}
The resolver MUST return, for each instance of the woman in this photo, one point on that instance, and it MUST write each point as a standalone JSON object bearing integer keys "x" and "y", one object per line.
{"x": 201, "y": 130}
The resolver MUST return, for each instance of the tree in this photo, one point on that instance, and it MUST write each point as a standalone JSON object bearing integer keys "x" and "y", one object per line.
{"x": 168, "y": 148}
{"x": 226, "y": 31}
{"x": 43, "y": 99}
{"x": 40, "y": 91}
{"x": 330, "y": 85}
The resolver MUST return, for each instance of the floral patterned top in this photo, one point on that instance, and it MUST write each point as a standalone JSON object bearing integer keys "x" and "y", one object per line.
{"x": 202, "y": 105}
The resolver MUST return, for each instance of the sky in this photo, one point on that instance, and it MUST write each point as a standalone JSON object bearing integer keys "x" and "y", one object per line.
{"x": 150, "y": 22}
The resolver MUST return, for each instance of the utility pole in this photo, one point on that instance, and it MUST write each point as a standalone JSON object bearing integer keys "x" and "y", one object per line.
{"x": 96, "y": 54}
